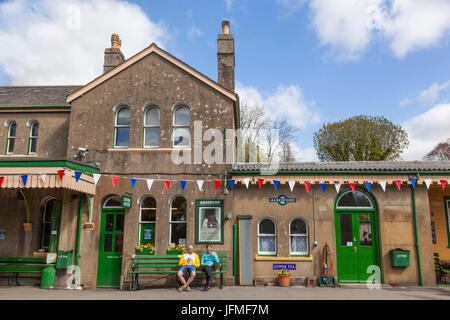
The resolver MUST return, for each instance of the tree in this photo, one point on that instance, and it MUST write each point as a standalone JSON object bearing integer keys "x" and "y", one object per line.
{"x": 360, "y": 138}
{"x": 440, "y": 152}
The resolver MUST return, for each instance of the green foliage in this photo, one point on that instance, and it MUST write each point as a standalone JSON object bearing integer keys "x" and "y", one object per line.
{"x": 360, "y": 138}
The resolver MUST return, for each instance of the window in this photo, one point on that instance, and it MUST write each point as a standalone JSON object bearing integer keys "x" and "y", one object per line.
{"x": 151, "y": 127}
{"x": 267, "y": 237}
{"x": 122, "y": 128}
{"x": 447, "y": 211}
{"x": 298, "y": 236}
{"x": 177, "y": 228}
{"x": 11, "y": 138}
{"x": 354, "y": 200}
{"x": 181, "y": 132}
{"x": 32, "y": 142}
{"x": 46, "y": 229}
{"x": 147, "y": 220}
{"x": 113, "y": 202}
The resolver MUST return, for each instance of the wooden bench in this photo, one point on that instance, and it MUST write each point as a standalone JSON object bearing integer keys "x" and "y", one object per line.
{"x": 21, "y": 265}
{"x": 164, "y": 264}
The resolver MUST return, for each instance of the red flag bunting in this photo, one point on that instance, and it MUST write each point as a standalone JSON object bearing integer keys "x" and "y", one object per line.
{"x": 114, "y": 180}
{"x": 217, "y": 184}
{"x": 61, "y": 174}
{"x": 167, "y": 183}
{"x": 398, "y": 183}
{"x": 307, "y": 186}
{"x": 353, "y": 186}
{"x": 260, "y": 182}
{"x": 1, "y": 180}
{"x": 443, "y": 184}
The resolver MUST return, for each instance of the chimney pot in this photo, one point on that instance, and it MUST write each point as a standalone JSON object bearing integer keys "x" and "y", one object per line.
{"x": 225, "y": 26}
{"x": 113, "y": 55}
{"x": 116, "y": 43}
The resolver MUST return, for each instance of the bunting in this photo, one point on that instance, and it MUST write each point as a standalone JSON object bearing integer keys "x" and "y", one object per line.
{"x": 43, "y": 176}
{"x": 353, "y": 186}
{"x": 78, "y": 176}
{"x": 200, "y": 184}
{"x": 276, "y": 183}
{"x": 24, "y": 180}
{"x": 427, "y": 182}
{"x": 132, "y": 182}
{"x": 182, "y": 184}
{"x": 96, "y": 178}
{"x": 232, "y": 182}
{"x": 260, "y": 183}
{"x": 368, "y": 186}
{"x": 413, "y": 182}
{"x": 114, "y": 180}
{"x": 443, "y": 183}
{"x": 217, "y": 184}
{"x": 337, "y": 186}
{"x": 398, "y": 183}
{"x": 291, "y": 185}
{"x": 383, "y": 185}
{"x": 167, "y": 184}
{"x": 1, "y": 180}
{"x": 61, "y": 174}
{"x": 246, "y": 181}
{"x": 323, "y": 186}
{"x": 149, "y": 184}
{"x": 307, "y": 186}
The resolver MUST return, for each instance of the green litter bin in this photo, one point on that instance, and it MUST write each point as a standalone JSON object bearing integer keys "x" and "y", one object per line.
{"x": 64, "y": 259}
{"x": 400, "y": 257}
{"x": 48, "y": 277}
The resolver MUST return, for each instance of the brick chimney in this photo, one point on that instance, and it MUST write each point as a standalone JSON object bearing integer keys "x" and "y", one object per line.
{"x": 225, "y": 56}
{"x": 113, "y": 55}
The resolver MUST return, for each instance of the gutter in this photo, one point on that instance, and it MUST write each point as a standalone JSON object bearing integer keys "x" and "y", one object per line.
{"x": 413, "y": 195}
{"x": 77, "y": 255}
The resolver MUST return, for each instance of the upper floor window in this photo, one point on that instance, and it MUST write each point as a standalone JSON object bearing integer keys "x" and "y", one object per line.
{"x": 122, "y": 128}
{"x": 181, "y": 132}
{"x": 33, "y": 139}
{"x": 267, "y": 237}
{"x": 11, "y": 138}
{"x": 151, "y": 127}
{"x": 298, "y": 234}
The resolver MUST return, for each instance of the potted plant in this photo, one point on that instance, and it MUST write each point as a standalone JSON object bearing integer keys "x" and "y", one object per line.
{"x": 147, "y": 248}
{"x": 26, "y": 196}
{"x": 283, "y": 278}
{"x": 176, "y": 249}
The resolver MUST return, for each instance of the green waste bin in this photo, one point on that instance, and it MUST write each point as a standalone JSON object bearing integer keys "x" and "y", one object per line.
{"x": 48, "y": 277}
{"x": 64, "y": 259}
{"x": 400, "y": 257}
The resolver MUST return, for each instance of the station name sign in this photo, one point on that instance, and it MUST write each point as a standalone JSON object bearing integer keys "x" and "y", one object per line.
{"x": 282, "y": 200}
{"x": 289, "y": 266}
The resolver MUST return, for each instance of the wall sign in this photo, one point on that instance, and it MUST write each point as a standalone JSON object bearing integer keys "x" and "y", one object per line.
{"x": 282, "y": 200}
{"x": 289, "y": 266}
{"x": 147, "y": 234}
{"x": 126, "y": 202}
{"x": 209, "y": 221}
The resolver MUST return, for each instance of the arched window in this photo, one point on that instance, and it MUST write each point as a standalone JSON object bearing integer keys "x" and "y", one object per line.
{"x": 354, "y": 200}
{"x": 46, "y": 229}
{"x": 32, "y": 142}
{"x": 112, "y": 202}
{"x": 147, "y": 220}
{"x": 267, "y": 237}
{"x": 12, "y": 127}
{"x": 181, "y": 129}
{"x": 122, "y": 128}
{"x": 178, "y": 222}
{"x": 298, "y": 236}
{"x": 151, "y": 127}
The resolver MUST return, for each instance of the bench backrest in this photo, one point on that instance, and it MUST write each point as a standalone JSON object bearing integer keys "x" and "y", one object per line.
{"x": 22, "y": 260}
{"x": 165, "y": 261}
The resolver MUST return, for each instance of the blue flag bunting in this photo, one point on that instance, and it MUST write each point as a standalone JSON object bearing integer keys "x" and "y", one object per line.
{"x": 276, "y": 183}
{"x": 323, "y": 185}
{"x": 24, "y": 180}
{"x": 182, "y": 184}
{"x": 368, "y": 185}
{"x": 413, "y": 182}
{"x": 133, "y": 182}
{"x": 77, "y": 175}
{"x": 232, "y": 181}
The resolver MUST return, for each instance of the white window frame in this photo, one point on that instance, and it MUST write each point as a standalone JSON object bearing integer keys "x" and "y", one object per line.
{"x": 146, "y": 126}
{"x": 172, "y": 222}
{"x": 109, "y": 198}
{"x": 31, "y": 137}
{"x": 303, "y": 235}
{"x": 116, "y": 126}
{"x": 140, "y": 215}
{"x": 358, "y": 208}
{"x": 267, "y": 235}
{"x": 174, "y": 126}
{"x": 9, "y": 137}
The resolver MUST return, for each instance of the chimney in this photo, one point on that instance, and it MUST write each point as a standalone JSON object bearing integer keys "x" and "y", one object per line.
{"x": 113, "y": 55}
{"x": 225, "y": 56}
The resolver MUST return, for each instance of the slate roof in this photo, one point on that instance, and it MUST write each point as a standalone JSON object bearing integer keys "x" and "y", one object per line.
{"x": 345, "y": 166}
{"x": 35, "y": 96}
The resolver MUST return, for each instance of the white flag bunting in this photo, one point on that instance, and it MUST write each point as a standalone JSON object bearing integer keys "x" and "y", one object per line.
{"x": 427, "y": 182}
{"x": 96, "y": 178}
{"x": 200, "y": 184}
{"x": 383, "y": 185}
{"x": 291, "y": 185}
{"x": 149, "y": 183}
{"x": 337, "y": 186}
{"x": 246, "y": 181}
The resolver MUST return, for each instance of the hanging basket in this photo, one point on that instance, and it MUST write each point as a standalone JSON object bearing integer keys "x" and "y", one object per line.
{"x": 283, "y": 280}
{"x": 27, "y": 226}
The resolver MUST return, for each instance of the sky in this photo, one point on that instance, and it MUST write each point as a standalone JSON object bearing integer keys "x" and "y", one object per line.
{"x": 309, "y": 61}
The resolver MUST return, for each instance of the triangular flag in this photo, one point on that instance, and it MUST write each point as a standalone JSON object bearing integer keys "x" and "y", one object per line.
{"x": 1, "y": 180}
{"x": 260, "y": 183}
{"x": 132, "y": 182}
{"x": 182, "y": 184}
{"x": 368, "y": 185}
{"x": 24, "y": 180}
{"x": 96, "y": 177}
{"x": 43, "y": 176}
{"x": 291, "y": 185}
{"x": 246, "y": 181}
{"x": 61, "y": 174}
{"x": 398, "y": 183}
{"x": 427, "y": 182}
{"x": 167, "y": 184}
{"x": 337, "y": 186}
{"x": 413, "y": 182}
{"x": 353, "y": 186}
{"x": 232, "y": 182}
{"x": 114, "y": 180}
{"x": 276, "y": 183}
{"x": 149, "y": 183}
{"x": 217, "y": 184}
{"x": 77, "y": 175}
{"x": 323, "y": 186}
{"x": 200, "y": 184}
{"x": 443, "y": 184}
{"x": 383, "y": 185}
{"x": 307, "y": 186}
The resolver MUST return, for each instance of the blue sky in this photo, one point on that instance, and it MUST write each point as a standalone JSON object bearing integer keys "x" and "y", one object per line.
{"x": 313, "y": 61}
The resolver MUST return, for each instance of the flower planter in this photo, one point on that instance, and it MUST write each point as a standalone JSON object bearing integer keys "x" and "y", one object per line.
{"x": 27, "y": 226}
{"x": 144, "y": 252}
{"x": 174, "y": 252}
{"x": 283, "y": 281}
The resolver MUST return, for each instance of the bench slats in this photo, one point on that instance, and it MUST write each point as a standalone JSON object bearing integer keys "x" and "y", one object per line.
{"x": 169, "y": 271}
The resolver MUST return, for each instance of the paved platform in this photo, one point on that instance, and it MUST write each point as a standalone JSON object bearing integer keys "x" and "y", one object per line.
{"x": 231, "y": 293}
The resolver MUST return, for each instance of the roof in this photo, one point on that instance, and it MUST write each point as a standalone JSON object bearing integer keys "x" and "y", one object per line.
{"x": 35, "y": 96}
{"x": 153, "y": 48}
{"x": 346, "y": 167}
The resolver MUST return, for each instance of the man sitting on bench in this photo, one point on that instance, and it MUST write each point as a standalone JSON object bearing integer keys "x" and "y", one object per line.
{"x": 188, "y": 261}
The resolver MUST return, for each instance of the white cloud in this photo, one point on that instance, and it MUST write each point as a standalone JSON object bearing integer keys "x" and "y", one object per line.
{"x": 427, "y": 130}
{"x": 349, "y": 26}
{"x": 304, "y": 155}
{"x": 429, "y": 96}
{"x": 228, "y": 3}
{"x": 194, "y": 32}
{"x": 62, "y": 42}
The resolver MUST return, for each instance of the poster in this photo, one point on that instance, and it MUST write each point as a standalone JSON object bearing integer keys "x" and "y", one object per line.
{"x": 2, "y": 234}
{"x": 147, "y": 234}
{"x": 210, "y": 221}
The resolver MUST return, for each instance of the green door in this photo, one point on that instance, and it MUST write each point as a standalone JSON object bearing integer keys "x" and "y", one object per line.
{"x": 357, "y": 245}
{"x": 110, "y": 248}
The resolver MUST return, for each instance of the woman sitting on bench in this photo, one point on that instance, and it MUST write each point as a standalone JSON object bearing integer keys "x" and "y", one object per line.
{"x": 209, "y": 258}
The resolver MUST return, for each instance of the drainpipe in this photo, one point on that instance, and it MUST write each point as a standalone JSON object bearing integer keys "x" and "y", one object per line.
{"x": 413, "y": 193}
{"x": 77, "y": 256}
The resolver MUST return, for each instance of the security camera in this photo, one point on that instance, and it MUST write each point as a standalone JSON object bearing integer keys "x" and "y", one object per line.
{"x": 82, "y": 149}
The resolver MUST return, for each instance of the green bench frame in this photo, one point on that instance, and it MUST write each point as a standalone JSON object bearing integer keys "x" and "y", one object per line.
{"x": 164, "y": 264}
{"x": 21, "y": 265}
